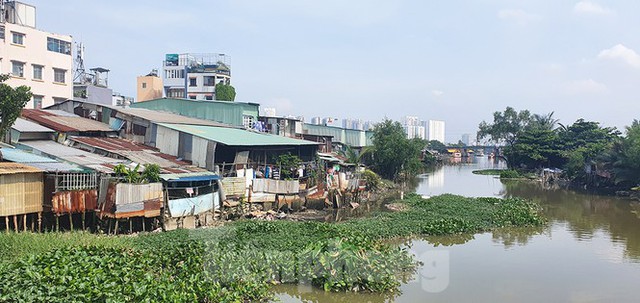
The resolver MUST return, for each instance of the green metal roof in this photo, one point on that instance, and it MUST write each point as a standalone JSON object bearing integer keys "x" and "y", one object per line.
{"x": 235, "y": 136}
{"x": 351, "y": 137}
{"x": 231, "y": 113}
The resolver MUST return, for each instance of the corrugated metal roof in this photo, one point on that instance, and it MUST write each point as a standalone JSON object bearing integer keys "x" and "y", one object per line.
{"x": 65, "y": 167}
{"x": 65, "y": 123}
{"x": 236, "y": 137}
{"x": 351, "y": 137}
{"x": 73, "y": 155}
{"x": 143, "y": 157}
{"x": 144, "y": 113}
{"x": 44, "y": 163}
{"x": 165, "y": 117}
{"x": 8, "y": 168}
{"x": 112, "y": 144}
{"x": 135, "y": 152}
{"x": 21, "y": 156}
{"x": 26, "y": 126}
{"x": 231, "y": 113}
{"x": 60, "y": 113}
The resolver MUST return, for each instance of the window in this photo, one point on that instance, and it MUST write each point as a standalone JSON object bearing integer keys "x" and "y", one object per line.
{"x": 18, "y": 38}
{"x": 247, "y": 121}
{"x": 144, "y": 84}
{"x": 174, "y": 74}
{"x": 58, "y": 46}
{"x": 37, "y": 72}
{"x": 175, "y": 93}
{"x": 192, "y": 97}
{"x": 208, "y": 97}
{"x": 2, "y": 32}
{"x": 59, "y": 75}
{"x": 209, "y": 81}
{"x": 37, "y": 102}
{"x": 192, "y": 82}
{"x": 17, "y": 69}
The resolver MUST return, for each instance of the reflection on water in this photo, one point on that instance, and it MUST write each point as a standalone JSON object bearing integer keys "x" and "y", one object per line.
{"x": 588, "y": 217}
{"x": 458, "y": 179}
{"x": 589, "y": 251}
{"x": 435, "y": 179}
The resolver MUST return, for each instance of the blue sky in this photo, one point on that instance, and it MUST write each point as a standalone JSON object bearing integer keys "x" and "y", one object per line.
{"x": 456, "y": 61}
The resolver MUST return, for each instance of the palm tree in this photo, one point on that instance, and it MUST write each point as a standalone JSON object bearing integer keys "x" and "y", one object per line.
{"x": 353, "y": 157}
{"x": 544, "y": 122}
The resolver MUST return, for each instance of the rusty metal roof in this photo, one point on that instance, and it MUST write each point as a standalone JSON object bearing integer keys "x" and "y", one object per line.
{"x": 65, "y": 123}
{"x": 135, "y": 152}
{"x": 8, "y": 168}
{"x": 112, "y": 144}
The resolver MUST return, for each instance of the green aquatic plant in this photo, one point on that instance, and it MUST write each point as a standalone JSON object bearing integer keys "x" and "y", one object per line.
{"x": 237, "y": 262}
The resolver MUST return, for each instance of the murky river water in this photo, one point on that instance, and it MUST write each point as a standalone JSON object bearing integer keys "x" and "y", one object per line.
{"x": 589, "y": 252}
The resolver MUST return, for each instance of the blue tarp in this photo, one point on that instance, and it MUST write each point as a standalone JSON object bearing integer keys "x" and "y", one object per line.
{"x": 194, "y": 205}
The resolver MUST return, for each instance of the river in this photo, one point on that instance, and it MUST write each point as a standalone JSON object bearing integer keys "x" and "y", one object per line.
{"x": 589, "y": 251}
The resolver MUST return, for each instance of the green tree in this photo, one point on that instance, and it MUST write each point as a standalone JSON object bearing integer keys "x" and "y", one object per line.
{"x": 543, "y": 122}
{"x": 288, "y": 164}
{"x": 392, "y": 153}
{"x": 12, "y": 100}
{"x": 151, "y": 173}
{"x": 584, "y": 142}
{"x": 536, "y": 147}
{"x": 505, "y": 127}
{"x": 625, "y": 160}
{"x": 437, "y": 146}
{"x": 225, "y": 92}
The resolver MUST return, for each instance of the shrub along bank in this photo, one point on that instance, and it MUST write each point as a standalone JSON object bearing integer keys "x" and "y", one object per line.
{"x": 238, "y": 261}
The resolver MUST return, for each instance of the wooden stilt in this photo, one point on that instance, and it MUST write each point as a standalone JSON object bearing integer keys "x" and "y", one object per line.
{"x": 108, "y": 226}
{"x": 15, "y": 223}
{"x": 6, "y": 223}
{"x": 40, "y": 222}
{"x": 83, "y": 223}
{"x": 57, "y": 223}
{"x": 70, "y": 221}
{"x": 143, "y": 225}
{"x": 130, "y": 225}
{"x": 115, "y": 231}
{"x": 24, "y": 222}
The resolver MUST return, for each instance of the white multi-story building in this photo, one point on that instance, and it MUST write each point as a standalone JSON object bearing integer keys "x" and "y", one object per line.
{"x": 436, "y": 130}
{"x": 194, "y": 76}
{"x": 316, "y": 121}
{"x": 35, "y": 58}
{"x": 347, "y": 123}
{"x": 369, "y": 125}
{"x": 357, "y": 124}
{"x": 269, "y": 111}
{"x": 466, "y": 139}
{"x": 413, "y": 128}
{"x": 120, "y": 100}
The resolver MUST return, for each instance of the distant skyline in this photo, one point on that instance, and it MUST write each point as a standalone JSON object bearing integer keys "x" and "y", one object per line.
{"x": 443, "y": 60}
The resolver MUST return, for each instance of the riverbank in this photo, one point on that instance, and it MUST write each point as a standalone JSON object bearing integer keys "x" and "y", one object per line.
{"x": 238, "y": 261}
